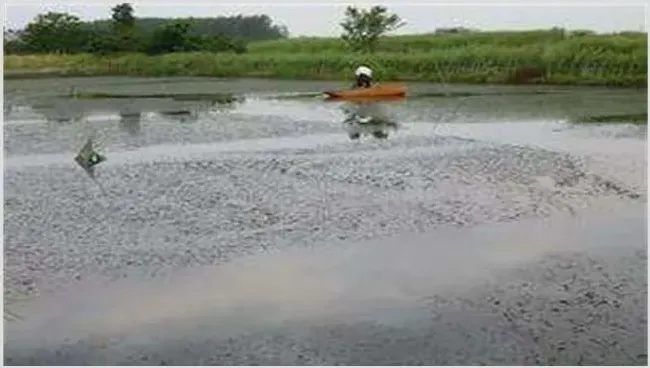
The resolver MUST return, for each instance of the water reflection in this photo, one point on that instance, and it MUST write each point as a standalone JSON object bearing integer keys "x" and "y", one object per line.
{"x": 62, "y": 111}
{"x": 7, "y": 109}
{"x": 76, "y": 106}
{"x": 182, "y": 116}
{"x": 368, "y": 118}
{"x": 372, "y": 118}
{"x": 131, "y": 122}
{"x": 376, "y": 128}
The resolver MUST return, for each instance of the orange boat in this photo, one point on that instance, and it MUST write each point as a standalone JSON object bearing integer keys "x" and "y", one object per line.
{"x": 378, "y": 91}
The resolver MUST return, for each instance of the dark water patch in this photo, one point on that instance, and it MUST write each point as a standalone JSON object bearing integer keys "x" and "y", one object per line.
{"x": 638, "y": 118}
{"x": 483, "y": 93}
{"x": 176, "y": 113}
{"x": 36, "y": 74}
{"x": 231, "y": 98}
{"x": 293, "y": 96}
{"x": 216, "y": 97}
{"x": 131, "y": 122}
{"x": 419, "y": 95}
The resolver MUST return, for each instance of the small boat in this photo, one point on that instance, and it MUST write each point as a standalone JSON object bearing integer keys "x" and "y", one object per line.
{"x": 376, "y": 92}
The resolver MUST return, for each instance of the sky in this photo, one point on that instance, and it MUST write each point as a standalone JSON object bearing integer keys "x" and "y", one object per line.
{"x": 322, "y": 19}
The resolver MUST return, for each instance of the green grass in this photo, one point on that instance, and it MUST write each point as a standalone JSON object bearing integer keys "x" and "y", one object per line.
{"x": 429, "y": 42}
{"x": 484, "y": 57}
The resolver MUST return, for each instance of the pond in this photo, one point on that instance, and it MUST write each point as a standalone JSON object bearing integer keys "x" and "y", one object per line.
{"x": 204, "y": 173}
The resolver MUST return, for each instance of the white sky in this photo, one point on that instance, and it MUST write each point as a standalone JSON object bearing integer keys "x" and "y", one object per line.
{"x": 320, "y": 19}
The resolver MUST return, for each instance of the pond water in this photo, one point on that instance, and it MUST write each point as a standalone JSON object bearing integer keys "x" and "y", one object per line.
{"x": 203, "y": 174}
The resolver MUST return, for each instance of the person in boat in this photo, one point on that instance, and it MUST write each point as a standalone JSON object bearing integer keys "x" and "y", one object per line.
{"x": 363, "y": 76}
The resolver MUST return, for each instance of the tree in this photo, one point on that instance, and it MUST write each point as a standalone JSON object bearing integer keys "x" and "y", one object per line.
{"x": 124, "y": 34}
{"x": 243, "y": 27}
{"x": 179, "y": 37}
{"x": 54, "y": 32}
{"x": 122, "y": 16}
{"x": 172, "y": 37}
{"x": 13, "y": 43}
{"x": 362, "y": 28}
{"x": 103, "y": 42}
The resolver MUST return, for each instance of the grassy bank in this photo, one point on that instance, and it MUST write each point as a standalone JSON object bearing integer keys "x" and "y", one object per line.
{"x": 551, "y": 57}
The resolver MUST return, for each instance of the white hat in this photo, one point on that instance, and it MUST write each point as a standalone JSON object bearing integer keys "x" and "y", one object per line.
{"x": 363, "y": 70}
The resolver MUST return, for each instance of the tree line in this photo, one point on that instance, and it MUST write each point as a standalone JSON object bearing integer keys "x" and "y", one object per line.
{"x": 65, "y": 33}
{"x": 54, "y": 32}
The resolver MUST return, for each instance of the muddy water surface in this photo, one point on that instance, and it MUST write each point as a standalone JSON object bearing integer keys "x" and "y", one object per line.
{"x": 465, "y": 225}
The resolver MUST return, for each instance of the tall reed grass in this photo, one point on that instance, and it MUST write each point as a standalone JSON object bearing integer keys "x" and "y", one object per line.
{"x": 473, "y": 58}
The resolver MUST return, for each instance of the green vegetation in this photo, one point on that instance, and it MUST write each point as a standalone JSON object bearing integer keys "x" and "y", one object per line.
{"x": 553, "y": 56}
{"x": 474, "y": 58}
{"x": 247, "y": 28}
{"x": 362, "y": 28}
{"x": 63, "y": 33}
